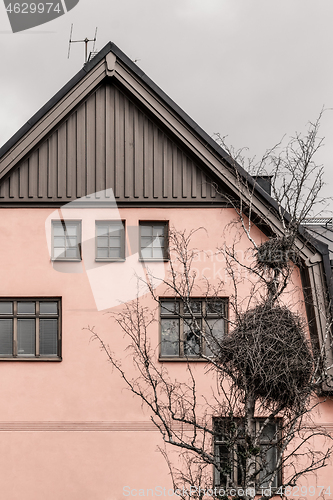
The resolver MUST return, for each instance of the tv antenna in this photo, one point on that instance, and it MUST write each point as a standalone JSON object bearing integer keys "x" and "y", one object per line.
{"x": 86, "y": 41}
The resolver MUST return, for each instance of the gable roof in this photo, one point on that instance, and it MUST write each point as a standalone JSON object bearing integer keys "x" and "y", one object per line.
{"x": 109, "y": 142}
{"x": 111, "y": 48}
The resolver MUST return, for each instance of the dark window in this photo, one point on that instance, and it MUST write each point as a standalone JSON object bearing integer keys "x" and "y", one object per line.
{"x": 154, "y": 240}
{"x": 66, "y": 240}
{"x": 30, "y": 329}
{"x": 192, "y": 329}
{"x": 230, "y": 451}
{"x": 110, "y": 240}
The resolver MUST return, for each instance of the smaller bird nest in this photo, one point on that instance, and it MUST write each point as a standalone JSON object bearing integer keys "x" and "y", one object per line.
{"x": 267, "y": 353}
{"x": 275, "y": 253}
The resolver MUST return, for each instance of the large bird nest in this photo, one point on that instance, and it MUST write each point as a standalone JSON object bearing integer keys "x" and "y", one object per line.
{"x": 275, "y": 253}
{"x": 267, "y": 353}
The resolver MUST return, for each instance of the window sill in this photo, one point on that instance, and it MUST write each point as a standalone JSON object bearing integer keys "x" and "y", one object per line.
{"x": 110, "y": 260}
{"x": 153, "y": 260}
{"x": 66, "y": 260}
{"x": 31, "y": 358}
{"x": 182, "y": 359}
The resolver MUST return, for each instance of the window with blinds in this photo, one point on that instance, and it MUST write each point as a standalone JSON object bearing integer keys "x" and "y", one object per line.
{"x": 30, "y": 328}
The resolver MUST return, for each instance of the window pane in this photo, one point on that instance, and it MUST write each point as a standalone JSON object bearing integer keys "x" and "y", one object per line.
{"x": 115, "y": 241}
{"x": 158, "y": 253}
{"x": 114, "y": 253}
{"x": 6, "y": 337}
{"x": 48, "y": 307}
{"x": 146, "y": 230}
{"x": 158, "y": 230}
{"x": 169, "y": 307}
{"x": 158, "y": 248}
{"x": 58, "y": 229}
{"x": 102, "y": 253}
{"x": 170, "y": 337}
{"x": 102, "y": 230}
{"x": 194, "y": 307}
{"x": 241, "y": 465}
{"x": 26, "y": 337}
{"x": 146, "y": 241}
{"x": 268, "y": 432}
{"x": 59, "y": 253}
{"x": 26, "y": 307}
{"x": 103, "y": 242}
{"x": 225, "y": 462}
{"x": 215, "y": 307}
{"x": 71, "y": 253}
{"x": 214, "y": 333}
{"x": 192, "y": 338}
{"x": 269, "y": 463}
{"x": 71, "y": 242}
{"x": 59, "y": 241}
{"x": 71, "y": 229}
{"x": 6, "y": 307}
{"x": 147, "y": 253}
{"x": 116, "y": 229}
{"x": 158, "y": 242}
{"x": 48, "y": 337}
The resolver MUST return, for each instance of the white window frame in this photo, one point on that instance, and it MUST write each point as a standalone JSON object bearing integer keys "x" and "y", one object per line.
{"x": 165, "y": 224}
{"x": 110, "y": 223}
{"x": 65, "y": 224}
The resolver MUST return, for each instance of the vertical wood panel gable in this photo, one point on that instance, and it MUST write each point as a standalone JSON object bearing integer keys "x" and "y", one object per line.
{"x": 61, "y": 166}
{"x": 100, "y": 139}
{"x": 138, "y": 154}
{"x": 109, "y": 132}
{"x": 108, "y": 142}
{"x": 91, "y": 145}
{"x": 42, "y": 166}
{"x": 71, "y": 157}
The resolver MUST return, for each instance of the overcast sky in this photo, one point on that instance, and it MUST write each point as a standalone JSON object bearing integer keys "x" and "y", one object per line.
{"x": 250, "y": 69}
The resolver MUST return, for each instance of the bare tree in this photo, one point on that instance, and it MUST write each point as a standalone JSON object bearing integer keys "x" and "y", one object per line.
{"x": 253, "y": 433}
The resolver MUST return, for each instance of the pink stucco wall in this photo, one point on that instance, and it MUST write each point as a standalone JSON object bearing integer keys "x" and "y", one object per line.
{"x": 69, "y": 429}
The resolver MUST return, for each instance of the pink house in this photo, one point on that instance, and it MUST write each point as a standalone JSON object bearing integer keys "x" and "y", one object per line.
{"x": 89, "y": 189}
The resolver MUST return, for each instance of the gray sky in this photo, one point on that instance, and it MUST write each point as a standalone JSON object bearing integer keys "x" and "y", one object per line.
{"x": 250, "y": 69}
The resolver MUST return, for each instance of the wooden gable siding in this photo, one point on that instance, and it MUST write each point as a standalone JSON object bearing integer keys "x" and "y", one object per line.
{"x": 108, "y": 142}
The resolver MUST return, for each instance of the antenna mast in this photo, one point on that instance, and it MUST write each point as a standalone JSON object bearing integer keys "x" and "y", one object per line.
{"x": 86, "y": 41}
